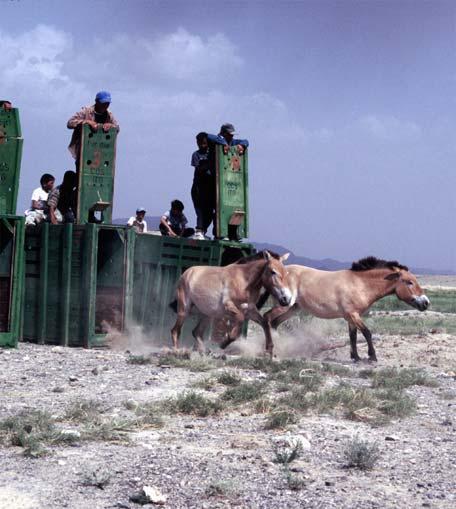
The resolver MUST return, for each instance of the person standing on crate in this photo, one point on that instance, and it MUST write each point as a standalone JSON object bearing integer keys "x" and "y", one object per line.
{"x": 62, "y": 200}
{"x": 203, "y": 187}
{"x": 94, "y": 116}
{"x": 137, "y": 222}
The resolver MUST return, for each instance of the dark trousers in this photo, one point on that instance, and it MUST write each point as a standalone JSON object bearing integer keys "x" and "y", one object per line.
{"x": 203, "y": 197}
{"x": 186, "y": 232}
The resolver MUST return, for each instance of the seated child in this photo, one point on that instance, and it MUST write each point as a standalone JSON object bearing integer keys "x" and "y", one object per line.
{"x": 39, "y": 209}
{"x": 173, "y": 221}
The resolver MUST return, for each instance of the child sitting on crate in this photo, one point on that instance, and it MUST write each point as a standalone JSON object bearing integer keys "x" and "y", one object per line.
{"x": 173, "y": 222}
{"x": 203, "y": 188}
{"x": 39, "y": 208}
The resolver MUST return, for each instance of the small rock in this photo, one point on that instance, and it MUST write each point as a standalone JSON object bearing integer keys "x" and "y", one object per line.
{"x": 132, "y": 404}
{"x": 329, "y": 483}
{"x": 391, "y": 438}
{"x": 189, "y": 426}
{"x": 73, "y": 379}
{"x": 70, "y": 433}
{"x": 95, "y": 371}
{"x": 149, "y": 495}
{"x": 58, "y": 389}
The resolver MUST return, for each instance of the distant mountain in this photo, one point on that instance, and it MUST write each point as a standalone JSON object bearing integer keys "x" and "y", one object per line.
{"x": 331, "y": 264}
{"x": 325, "y": 264}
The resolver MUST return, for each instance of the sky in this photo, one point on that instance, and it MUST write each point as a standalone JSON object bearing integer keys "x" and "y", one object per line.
{"x": 349, "y": 108}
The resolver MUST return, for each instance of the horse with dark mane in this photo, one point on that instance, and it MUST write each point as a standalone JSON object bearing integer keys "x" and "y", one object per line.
{"x": 230, "y": 292}
{"x": 349, "y": 294}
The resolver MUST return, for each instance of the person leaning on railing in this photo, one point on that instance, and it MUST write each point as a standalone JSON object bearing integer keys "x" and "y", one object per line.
{"x": 95, "y": 115}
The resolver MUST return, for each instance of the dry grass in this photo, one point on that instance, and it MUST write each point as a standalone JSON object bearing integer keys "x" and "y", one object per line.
{"x": 361, "y": 454}
{"x": 191, "y": 402}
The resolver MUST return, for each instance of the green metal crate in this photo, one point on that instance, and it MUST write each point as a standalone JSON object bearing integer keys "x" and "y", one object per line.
{"x": 10, "y": 125}
{"x": 232, "y": 193}
{"x": 96, "y": 175}
{"x": 10, "y": 159}
{"x": 158, "y": 264}
{"x": 11, "y": 278}
{"x": 75, "y": 283}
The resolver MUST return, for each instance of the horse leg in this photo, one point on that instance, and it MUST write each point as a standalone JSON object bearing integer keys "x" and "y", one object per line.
{"x": 238, "y": 316}
{"x": 279, "y": 314}
{"x": 356, "y": 320}
{"x": 352, "y": 331}
{"x": 253, "y": 314}
{"x": 182, "y": 310}
{"x": 198, "y": 333}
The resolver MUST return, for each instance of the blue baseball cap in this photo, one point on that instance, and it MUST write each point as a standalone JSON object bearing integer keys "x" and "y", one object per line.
{"x": 103, "y": 97}
{"x": 140, "y": 209}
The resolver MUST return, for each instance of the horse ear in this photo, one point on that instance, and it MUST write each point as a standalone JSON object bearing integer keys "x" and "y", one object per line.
{"x": 284, "y": 257}
{"x": 393, "y": 276}
{"x": 267, "y": 255}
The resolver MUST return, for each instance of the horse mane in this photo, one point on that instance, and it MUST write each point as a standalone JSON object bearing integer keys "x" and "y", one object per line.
{"x": 371, "y": 262}
{"x": 256, "y": 256}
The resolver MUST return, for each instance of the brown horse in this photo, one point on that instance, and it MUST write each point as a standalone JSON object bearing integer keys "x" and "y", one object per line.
{"x": 230, "y": 292}
{"x": 349, "y": 294}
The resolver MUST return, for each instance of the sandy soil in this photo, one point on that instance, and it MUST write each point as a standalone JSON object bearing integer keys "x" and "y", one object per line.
{"x": 186, "y": 458}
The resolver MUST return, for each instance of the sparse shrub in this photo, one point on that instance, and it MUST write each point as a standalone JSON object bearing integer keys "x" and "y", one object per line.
{"x": 139, "y": 359}
{"x": 184, "y": 360}
{"x": 263, "y": 405}
{"x": 257, "y": 363}
{"x": 285, "y": 454}
{"x": 395, "y": 403}
{"x": 191, "y": 402}
{"x": 294, "y": 482}
{"x": 29, "y": 429}
{"x": 84, "y": 410}
{"x": 222, "y": 488}
{"x": 393, "y": 378}
{"x": 228, "y": 378}
{"x": 149, "y": 415}
{"x": 361, "y": 454}
{"x": 281, "y": 418}
{"x": 246, "y": 391}
{"x": 98, "y": 477}
{"x": 109, "y": 430}
{"x": 207, "y": 383}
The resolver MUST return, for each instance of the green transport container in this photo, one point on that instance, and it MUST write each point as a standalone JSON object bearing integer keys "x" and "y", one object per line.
{"x": 76, "y": 279}
{"x": 10, "y": 159}
{"x": 96, "y": 176}
{"x": 158, "y": 264}
{"x": 11, "y": 278}
{"x": 232, "y": 193}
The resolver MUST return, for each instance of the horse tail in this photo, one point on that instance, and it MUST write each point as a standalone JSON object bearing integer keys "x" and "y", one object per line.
{"x": 262, "y": 300}
{"x": 173, "y": 305}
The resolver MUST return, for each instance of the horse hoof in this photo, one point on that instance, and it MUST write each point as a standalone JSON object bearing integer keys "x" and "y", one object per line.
{"x": 373, "y": 358}
{"x": 356, "y": 359}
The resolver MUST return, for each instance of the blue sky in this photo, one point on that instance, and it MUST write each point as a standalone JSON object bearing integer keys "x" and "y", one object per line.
{"x": 349, "y": 108}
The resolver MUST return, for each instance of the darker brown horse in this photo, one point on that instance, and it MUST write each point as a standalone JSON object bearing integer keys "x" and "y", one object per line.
{"x": 230, "y": 292}
{"x": 349, "y": 294}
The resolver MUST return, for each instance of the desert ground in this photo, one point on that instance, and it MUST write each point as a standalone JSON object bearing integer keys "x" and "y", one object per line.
{"x": 135, "y": 425}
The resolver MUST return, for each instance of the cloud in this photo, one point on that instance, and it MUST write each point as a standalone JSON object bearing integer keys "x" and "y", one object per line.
{"x": 182, "y": 55}
{"x": 390, "y": 128}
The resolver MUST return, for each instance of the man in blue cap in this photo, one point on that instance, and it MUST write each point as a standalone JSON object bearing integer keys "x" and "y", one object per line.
{"x": 94, "y": 116}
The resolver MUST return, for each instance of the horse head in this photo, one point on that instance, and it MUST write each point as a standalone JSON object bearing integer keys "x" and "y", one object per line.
{"x": 408, "y": 290}
{"x": 275, "y": 278}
